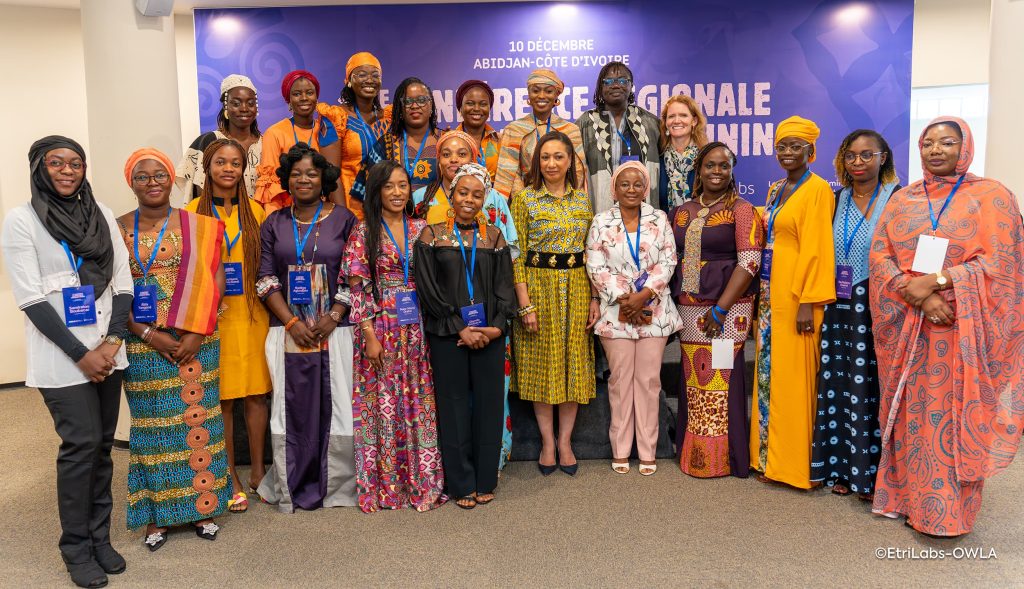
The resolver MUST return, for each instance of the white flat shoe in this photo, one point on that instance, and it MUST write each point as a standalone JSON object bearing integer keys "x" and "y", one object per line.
{"x": 621, "y": 467}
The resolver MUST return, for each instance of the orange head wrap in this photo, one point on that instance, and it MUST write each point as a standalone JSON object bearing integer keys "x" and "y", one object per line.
{"x": 800, "y": 128}
{"x": 146, "y": 153}
{"x": 545, "y": 78}
{"x": 360, "y": 59}
{"x": 466, "y": 138}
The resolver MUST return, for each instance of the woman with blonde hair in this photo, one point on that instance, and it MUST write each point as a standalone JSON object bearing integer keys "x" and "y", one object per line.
{"x": 682, "y": 134}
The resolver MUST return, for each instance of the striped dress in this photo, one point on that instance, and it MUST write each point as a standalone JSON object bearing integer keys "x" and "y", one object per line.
{"x": 177, "y": 472}
{"x": 515, "y": 154}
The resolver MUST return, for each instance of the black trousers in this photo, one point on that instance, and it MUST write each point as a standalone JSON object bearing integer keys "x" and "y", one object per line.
{"x": 85, "y": 417}
{"x": 469, "y": 386}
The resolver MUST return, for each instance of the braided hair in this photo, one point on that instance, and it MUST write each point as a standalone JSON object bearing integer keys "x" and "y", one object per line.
{"x": 598, "y": 99}
{"x": 698, "y": 163}
{"x": 398, "y": 110}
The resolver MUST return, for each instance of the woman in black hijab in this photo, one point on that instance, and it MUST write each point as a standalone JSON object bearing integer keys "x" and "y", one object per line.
{"x": 72, "y": 280}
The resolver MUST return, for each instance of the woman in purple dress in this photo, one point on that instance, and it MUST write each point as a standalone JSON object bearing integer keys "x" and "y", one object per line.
{"x": 719, "y": 240}
{"x": 309, "y": 347}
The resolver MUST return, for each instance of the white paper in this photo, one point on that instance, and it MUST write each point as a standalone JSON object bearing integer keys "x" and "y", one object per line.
{"x": 930, "y": 254}
{"x": 722, "y": 354}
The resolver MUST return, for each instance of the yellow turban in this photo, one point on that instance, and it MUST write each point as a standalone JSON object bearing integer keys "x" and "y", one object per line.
{"x": 545, "y": 78}
{"x": 360, "y": 59}
{"x": 800, "y": 128}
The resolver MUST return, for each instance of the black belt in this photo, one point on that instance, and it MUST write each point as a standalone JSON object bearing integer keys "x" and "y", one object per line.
{"x": 553, "y": 261}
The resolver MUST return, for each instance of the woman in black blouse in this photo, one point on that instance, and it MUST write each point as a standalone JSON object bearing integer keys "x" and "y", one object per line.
{"x": 464, "y": 280}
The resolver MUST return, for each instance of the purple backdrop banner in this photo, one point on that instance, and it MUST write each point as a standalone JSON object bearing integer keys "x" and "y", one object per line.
{"x": 844, "y": 64}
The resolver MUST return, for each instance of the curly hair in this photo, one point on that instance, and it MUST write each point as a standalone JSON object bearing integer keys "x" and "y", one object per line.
{"x": 398, "y": 110}
{"x": 598, "y": 99}
{"x": 373, "y": 211}
{"x": 534, "y": 178}
{"x": 700, "y": 123}
{"x": 329, "y": 173}
{"x": 887, "y": 172}
{"x": 698, "y": 163}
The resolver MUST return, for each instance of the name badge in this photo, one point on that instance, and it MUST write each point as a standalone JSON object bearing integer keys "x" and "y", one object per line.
{"x": 640, "y": 281}
{"x": 144, "y": 304}
{"x": 930, "y": 254}
{"x": 766, "y": 264}
{"x": 844, "y": 281}
{"x": 408, "y": 308}
{"x": 79, "y": 305}
{"x": 722, "y": 354}
{"x": 629, "y": 158}
{"x": 300, "y": 287}
{"x": 473, "y": 315}
{"x": 233, "y": 278}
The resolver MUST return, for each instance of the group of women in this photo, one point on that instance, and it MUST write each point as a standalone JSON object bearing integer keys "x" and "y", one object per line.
{"x": 388, "y": 283}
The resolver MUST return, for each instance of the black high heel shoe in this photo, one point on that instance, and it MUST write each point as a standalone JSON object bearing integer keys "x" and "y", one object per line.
{"x": 569, "y": 469}
{"x": 546, "y": 469}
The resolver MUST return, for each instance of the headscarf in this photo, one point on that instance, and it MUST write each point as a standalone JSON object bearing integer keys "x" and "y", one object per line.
{"x": 146, "y": 153}
{"x": 236, "y": 81}
{"x": 963, "y": 163}
{"x": 631, "y": 165}
{"x": 360, "y": 59}
{"x": 545, "y": 78}
{"x": 800, "y": 128}
{"x": 474, "y": 149}
{"x": 79, "y": 222}
{"x": 291, "y": 77}
{"x": 464, "y": 88}
{"x": 475, "y": 170}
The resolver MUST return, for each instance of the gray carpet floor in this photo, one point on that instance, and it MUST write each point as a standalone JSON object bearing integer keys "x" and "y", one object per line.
{"x": 597, "y": 529}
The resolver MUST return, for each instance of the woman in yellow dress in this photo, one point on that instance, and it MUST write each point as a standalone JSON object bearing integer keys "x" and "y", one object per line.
{"x": 797, "y": 280}
{"x": 244, "y": 324}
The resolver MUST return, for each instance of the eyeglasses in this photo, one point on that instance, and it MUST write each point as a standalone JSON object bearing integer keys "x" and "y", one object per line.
{"x": 363, "y": 76}
{"x": 865, "y": 156}
{"x": 619, "y": 81}
{"x": 792, "y": 148}
{"x": 144, "y": 179}
{"x": 947, "y": 144}
{"x": 625, "y": 186}
{"x": 57, "y": 164}
{"x": 418, "y": 101}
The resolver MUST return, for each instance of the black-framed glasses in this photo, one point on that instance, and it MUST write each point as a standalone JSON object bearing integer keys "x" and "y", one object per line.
{"x": 865, "y": 156}
{"x": 418, "y": 101}
{"x": 791, "y": 148}
{"x": 619, "y": 81}
{"x": 144, "y": 179}
{"x": 57, "y": 164}
{"x": 944, "y": 144}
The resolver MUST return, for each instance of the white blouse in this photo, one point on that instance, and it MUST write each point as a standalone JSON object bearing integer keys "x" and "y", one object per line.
{"x": 38, "y": 270}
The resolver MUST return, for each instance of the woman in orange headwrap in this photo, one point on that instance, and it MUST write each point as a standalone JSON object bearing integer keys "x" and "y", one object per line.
{"x": 797, "y": 281}
{"x": 360, "y": 119}
{"x": 948, "y": 336}
{"x": 300, "y": 89}
{"x": 520, "y": 137}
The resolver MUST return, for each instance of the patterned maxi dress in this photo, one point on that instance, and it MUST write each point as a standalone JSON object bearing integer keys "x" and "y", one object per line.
{"x": 398, "y": 460}
{"x": 556, "y": 364}
{"x": 712, "y": 434}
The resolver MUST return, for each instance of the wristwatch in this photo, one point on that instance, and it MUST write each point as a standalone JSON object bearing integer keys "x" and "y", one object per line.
{"x": 336, "y": 316}
{"x": 113, "y": 340}
{"x": 941, "y": 280}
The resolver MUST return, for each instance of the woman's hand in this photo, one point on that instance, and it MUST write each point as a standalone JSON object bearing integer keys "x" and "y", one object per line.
{"x": 632, "y": 304}
{"x": 805, "y": 318}
{"x": 937, "y": 310}
{"x": 530, "y": 322}
{"x": 373, "y": 351}
{"x": 710, "y": 327}
{"x": 491, "y": 333}
{"x": 918, "y": 289}
{"x": 595, "y": 313}
{"x": 188, "y": 346}
{"x": 303, "y": 335}
{"x": 164, "y": 344}
{"x": 324, "y": 328}
{"x": 472, "y": 338}
{"x": 95, "y": 365}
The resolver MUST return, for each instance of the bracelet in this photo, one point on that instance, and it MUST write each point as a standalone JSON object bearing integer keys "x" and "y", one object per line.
{"x": 721, "y": 310}
{"x": 593, "y": 298}
{"x": 146, "y": 334}
{"x": 524, "y": 311}
{"x": 291, "y": 322}
{"x": 714, "y": 316}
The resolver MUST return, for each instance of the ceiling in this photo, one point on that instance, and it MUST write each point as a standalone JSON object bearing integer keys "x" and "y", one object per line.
{"x": 186, "y": 6}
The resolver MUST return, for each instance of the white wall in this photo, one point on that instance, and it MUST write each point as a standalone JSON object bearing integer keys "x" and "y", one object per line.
{"x": 951, "y": 42}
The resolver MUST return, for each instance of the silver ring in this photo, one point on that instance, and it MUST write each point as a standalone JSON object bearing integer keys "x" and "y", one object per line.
{"x": 934, "y": 319}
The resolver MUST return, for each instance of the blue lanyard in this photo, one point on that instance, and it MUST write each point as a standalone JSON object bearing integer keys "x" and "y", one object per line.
{"x": 537, "y": 126}
{"x": 366, "y": 135}
{"x": 312, "y": 131}
{"x": 405, "y": 152}
{"x": 480, "y": 159}
{"x": 629, "y": 144}
{"x": 404, "y": 258}
{"x": 634, "y": 252}
{"x": 300, "y": 246}
{"x": 76, "y": 263}
{"x": 847, "y": 238}
{"x": 776, "y": 207}
{"x": 931, "y": 211}
{"x": 156, "y": 246}
{"x": 469, "y": 266}
{"x": 230, "y": 243}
